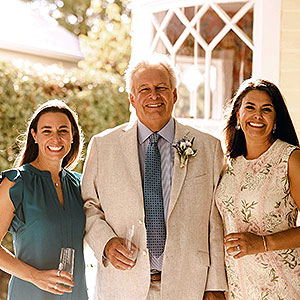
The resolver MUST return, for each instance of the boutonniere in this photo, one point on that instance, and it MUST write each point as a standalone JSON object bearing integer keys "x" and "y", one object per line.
{"x": 185, "y": 150}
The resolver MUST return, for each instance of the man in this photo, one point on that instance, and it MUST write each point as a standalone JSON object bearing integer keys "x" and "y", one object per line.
{"x": 133, "y": 176}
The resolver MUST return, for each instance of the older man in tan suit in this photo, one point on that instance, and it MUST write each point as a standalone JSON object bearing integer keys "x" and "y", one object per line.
{"x": 134, "y": 176}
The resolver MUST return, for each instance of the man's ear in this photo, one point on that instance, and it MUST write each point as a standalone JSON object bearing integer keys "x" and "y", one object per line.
{"x": 175, "y": 95}
{"x": 132, "y": 99}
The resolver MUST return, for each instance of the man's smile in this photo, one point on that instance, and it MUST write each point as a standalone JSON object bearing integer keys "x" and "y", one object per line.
{"x": 154, "y": 105}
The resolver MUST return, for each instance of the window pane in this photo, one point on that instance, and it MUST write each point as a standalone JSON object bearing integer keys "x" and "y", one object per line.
{"x": 174, "y": 29}
{"x": 212, "y": 57}
{"x": 236, "y": 54}
{"x": 210, "y": 25}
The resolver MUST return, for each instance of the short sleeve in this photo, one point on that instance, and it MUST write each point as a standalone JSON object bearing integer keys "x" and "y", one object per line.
{"x": 16, "y": 195}
{"x": 77, "y": 176}
{"x": 72, "y": 176}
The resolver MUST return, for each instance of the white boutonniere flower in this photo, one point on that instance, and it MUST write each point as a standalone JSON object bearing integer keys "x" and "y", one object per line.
{"x": 185, "y": 150}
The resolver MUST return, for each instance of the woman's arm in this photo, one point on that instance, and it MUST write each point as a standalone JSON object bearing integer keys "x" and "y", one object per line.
{"x": 288, "y": 239}
{"x": 45, "y": 280}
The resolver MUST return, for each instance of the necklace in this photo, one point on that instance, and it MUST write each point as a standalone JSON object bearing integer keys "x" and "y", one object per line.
{"x": 56, "y": 184}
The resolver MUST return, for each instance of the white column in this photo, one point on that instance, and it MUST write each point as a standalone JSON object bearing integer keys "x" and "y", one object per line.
{"x": 266, "y": 37}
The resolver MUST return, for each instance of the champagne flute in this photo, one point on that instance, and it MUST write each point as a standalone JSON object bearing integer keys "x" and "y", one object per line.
{"x": 66, "y": 260}
{"x": 128, "y": 243}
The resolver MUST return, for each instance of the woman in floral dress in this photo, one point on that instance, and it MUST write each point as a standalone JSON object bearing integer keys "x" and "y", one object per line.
{"x": 259, "y": 196}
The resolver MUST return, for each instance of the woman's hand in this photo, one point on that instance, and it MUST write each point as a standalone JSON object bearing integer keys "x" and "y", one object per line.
{"x": 244, "y": 243}
{"x": 52, "y": 281}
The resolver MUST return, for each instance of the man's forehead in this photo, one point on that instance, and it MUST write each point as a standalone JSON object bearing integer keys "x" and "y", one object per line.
{"x": 145, "y": 75}
{"x": 157, "y": 67}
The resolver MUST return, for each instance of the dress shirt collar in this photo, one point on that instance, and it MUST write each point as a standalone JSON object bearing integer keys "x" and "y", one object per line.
{"x": 167, "y": 132}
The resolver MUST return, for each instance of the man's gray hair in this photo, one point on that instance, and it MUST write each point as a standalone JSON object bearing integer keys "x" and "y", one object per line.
{"x": 152, "y": 60}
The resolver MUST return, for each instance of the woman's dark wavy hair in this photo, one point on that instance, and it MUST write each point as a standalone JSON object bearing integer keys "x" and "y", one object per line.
{"x": 30, "y": 149}
{"x": 235, "y": 140}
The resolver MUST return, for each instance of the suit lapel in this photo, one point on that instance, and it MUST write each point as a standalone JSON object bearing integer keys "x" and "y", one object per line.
{"x": 129, "y": 144}
{"x": 179, "y": 174}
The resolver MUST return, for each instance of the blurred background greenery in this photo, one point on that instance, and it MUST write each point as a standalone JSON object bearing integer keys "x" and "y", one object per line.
{"x": 96, "y": 90}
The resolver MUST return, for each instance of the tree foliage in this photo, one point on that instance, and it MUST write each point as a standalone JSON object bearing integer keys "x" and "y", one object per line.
{"x": 103, "y": 27}
{"x": 80, "y": 16}
{"x": 107, "y": 45}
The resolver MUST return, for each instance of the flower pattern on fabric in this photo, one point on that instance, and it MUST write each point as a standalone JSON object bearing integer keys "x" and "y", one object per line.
{"x": 254, "y": 196}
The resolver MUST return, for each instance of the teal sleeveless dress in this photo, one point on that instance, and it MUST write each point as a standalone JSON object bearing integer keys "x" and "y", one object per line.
{"x": 42, "y": 226}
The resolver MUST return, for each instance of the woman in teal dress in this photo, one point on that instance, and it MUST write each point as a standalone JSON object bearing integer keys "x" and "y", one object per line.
{"x": 40, "y": 204}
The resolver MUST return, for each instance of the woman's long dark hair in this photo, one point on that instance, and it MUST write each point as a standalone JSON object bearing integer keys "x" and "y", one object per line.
{"x": 235, "y": 142}
{"x": 30, "y": 149}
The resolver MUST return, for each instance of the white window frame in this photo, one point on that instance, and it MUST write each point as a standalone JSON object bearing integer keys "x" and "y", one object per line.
{"x": 266, "y": 34}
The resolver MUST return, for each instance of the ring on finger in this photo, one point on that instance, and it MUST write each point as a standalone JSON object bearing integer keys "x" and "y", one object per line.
{"x": 238, "y": 248}
{"x": 58, "y": 273}
{"x": 56, "y": 287}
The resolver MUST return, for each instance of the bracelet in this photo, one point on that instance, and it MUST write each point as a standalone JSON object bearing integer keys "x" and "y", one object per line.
{"x": 265, "y": 243}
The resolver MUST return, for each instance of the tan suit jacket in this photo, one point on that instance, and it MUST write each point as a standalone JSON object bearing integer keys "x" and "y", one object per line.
{"x": 113, "y": 201}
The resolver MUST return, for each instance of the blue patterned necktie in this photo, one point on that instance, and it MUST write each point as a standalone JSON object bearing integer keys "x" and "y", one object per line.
{"x": 154, "y": 210}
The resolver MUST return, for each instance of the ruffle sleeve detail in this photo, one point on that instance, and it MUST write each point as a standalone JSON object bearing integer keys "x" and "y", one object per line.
{"x": 16, "y": 196}
{"x": 73, "y": 177}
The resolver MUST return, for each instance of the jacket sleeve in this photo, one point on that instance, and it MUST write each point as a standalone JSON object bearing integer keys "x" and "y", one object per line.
{"x": 216, "y": 280}
{"x": 97, "y": 230}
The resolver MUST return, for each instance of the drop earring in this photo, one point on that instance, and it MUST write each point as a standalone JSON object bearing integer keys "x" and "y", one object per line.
{"x": 274, "y": 128}
{"x": 238, "y": 125}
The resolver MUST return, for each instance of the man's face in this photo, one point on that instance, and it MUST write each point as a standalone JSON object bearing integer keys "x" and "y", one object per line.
{"x": 153, "y": 98}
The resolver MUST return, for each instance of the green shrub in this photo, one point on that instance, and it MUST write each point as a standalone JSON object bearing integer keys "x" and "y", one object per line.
{"x": 99, "y": 99}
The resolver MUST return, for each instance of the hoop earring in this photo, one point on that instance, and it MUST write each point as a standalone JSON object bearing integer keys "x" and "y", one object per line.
{"x": 238, "y": 125}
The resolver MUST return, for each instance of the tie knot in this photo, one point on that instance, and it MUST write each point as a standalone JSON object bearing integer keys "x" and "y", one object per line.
{"x": 154, "y": 137}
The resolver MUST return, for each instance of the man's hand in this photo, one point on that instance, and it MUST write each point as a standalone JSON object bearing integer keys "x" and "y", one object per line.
{"x": 214, "y": 296}
{"x": 116, "y": 252}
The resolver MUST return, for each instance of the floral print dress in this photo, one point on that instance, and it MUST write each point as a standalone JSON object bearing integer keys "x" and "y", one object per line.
{"x": 254, "y": 196}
